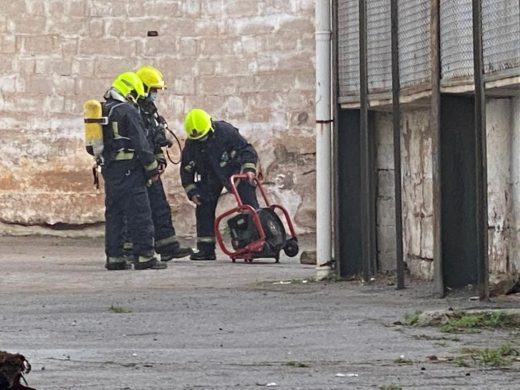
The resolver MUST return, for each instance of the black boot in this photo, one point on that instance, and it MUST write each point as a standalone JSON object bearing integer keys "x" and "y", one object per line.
{"x": 206, "y": 251}
{"x": 145, "y": 262}
{"x": 201, "y": 256}
{"x": 117, "y": 264}
{"x": 173, "y": 251}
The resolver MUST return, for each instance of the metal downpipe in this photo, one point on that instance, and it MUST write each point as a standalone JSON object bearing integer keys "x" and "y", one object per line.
{"x": 323, "y": 140}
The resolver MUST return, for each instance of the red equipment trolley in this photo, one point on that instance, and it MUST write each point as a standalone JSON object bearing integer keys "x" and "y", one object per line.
{"x": 256, "y": 233}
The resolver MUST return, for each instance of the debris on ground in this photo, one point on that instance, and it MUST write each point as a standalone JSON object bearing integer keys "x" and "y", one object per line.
{"x": 308, "y": 257}
{"x": 12, "y": 368}
{"x": 503, "y": 284}
{"x": 453, "y": 321}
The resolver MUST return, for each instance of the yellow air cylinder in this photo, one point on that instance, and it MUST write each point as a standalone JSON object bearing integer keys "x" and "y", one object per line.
{"x": 93, "y": 123}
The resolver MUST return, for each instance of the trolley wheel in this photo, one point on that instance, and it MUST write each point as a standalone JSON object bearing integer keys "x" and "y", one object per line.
{"x": 291, "y": 247}
{"x": 233, "y": 260}
{"x": 277, "y": 258}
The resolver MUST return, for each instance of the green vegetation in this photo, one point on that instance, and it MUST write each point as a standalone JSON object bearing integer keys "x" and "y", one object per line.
{"x": 411, "y": 319}
{"x": 390, "y": 387}
{"x": 402, "y": 360}
{"x": 119, "y": 309}
{"x": 471, "y": 322}
{"x": 461, "y": 362}
{"x": 435, "y": 338}
{"x": 489, "y": 357}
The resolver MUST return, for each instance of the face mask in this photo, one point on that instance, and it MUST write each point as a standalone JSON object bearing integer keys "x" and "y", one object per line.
{"x": 152, "y": 95}
{"x": 204, "y": 139}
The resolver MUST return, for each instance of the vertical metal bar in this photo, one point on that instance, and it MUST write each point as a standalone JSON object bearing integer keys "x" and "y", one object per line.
{"x": 372, "y": 206}
{"x": 436, "y": 147}
{"x": 480, "y": 154}
{"x": 396, "y": 116}
{"x": 364, "y": 141}
{"x": 335, "y": 129}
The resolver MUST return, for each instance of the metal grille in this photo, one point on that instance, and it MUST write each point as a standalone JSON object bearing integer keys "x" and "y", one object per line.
{"x": 501, "y": 42}
{"x": 348, "y": 47}
{"x": 456, "y": 39}
{"x": 414, "y": 42}
{"x": 379, "y": 46}
{"x": 501, "y": 34}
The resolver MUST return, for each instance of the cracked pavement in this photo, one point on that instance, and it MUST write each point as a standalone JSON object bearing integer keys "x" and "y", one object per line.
{"x": 219, "y": 325}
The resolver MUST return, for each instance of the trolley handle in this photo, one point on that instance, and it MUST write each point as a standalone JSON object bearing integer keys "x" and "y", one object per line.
{"x": 242, "y": 176}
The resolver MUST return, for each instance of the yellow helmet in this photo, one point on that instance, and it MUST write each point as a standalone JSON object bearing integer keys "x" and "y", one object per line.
{"x": 151, "y": 77}
{"x": 129, "y": 82}
{"x": 197, "y": 124}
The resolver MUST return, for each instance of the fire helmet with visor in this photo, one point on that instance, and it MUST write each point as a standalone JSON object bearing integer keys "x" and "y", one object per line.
{"x": 129, "y": 85}
{"x": 197, "y": 124}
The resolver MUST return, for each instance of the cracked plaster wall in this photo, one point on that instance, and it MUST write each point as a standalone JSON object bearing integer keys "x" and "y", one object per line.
{"x": 503, "y": 142}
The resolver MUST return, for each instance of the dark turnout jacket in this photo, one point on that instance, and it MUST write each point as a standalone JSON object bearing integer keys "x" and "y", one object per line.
{"x": 224, "y": 153}
{"x": 125, "y": 137}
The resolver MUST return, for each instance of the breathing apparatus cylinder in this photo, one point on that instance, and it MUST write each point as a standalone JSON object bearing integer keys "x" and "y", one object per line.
{"x": 93, "y": 124}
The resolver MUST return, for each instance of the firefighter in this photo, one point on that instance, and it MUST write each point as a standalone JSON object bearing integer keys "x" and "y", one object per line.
{"x": 128, "y": 166}
{"x": 166, "y": 243}
{"x": 214, "y": 151}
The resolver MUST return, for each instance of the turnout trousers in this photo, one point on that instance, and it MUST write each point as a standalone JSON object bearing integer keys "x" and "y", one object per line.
{"x": 165, "y": 238}
{"x": 205, "y": 213}
{"x": 126, "y": 200}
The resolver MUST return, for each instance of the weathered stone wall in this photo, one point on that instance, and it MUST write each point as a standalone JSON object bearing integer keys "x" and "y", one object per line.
{"x": 503, "y": 141}
{"x": 248, "y": 62}
{"x": 417, "y": 193}
{"x": 500, "y": 199}
{"x": 514, "y": 254}
{"x": 385, "y": 192}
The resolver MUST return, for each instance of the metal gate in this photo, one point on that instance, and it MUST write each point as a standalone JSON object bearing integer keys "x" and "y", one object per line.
{"x": 458, "y": 188}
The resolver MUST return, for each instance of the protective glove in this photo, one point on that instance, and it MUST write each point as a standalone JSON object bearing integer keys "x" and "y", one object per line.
{"x": 251, "y": 176}
{"x": 161, "y": 164}
{"x": 194, "y": 195}
{"x": 196, "y": 199}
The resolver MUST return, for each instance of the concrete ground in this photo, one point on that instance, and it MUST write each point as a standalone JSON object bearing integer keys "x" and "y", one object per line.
{"x": 219, "y": 325}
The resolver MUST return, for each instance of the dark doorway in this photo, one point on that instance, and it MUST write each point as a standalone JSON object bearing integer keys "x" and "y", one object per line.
{"x": 350, "y": 197}
{"x": 458, "y": 191}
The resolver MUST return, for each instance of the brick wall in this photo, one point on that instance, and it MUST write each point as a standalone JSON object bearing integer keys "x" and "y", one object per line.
{"x": 248, "y": 62}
